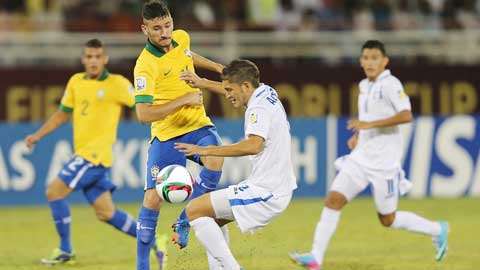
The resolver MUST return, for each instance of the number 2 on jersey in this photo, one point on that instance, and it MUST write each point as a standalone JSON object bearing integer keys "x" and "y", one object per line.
{"x": 85, "y": 104}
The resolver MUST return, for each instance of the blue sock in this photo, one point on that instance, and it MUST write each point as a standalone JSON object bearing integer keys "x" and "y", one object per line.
{"x": 124, "y": 222}
{"x": 61, "y": 217}
{"x": 147, "y": 223}
{"x": 208, "y": 182}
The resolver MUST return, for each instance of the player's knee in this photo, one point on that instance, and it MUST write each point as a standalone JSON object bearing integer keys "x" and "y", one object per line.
{"x": 387, "y": 220}
{"x": 335, "y": 200}
{"x": 191, "y": 210}
{"x": 51, "y": 193}
{"x": 195, "y": 208}
{"x": 152, "y": 200}
{"x": 214, "y": 163}
{"x": 103, "y": 215}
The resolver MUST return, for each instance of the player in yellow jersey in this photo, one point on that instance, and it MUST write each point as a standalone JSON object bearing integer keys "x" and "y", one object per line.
{"x": 94, "y": 99}
{"x": 176, "y": 114}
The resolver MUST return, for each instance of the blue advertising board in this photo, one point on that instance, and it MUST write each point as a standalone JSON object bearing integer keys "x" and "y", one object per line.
{"x": 24, "y": 174}
{"x": 440, "y": 158}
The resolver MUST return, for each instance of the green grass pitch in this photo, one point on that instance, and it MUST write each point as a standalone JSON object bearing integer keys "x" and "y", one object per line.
{"x": 27, "y": 234}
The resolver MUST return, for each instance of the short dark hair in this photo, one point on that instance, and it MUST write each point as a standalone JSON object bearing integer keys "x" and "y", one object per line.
{"x": 239, "y": 71}
{"x": 155, "y": 9}
{"x": 374, "y": 44}
{"x": 94, "y": 43}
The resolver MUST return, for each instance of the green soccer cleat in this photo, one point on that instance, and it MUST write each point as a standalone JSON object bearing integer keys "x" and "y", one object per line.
{"x": 159, "y": 248}
{"x": 59, "y": 256}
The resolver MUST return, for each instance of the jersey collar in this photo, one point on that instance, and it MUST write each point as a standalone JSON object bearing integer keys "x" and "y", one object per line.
{"x": 103, "y": 77}
{"x": 155, "y": 50}
{"x": 256, "y": 93}
{"x": 382, "y": 75}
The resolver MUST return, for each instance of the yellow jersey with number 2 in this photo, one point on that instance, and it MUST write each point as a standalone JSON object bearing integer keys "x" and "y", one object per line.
{"x": 96, "y": 106}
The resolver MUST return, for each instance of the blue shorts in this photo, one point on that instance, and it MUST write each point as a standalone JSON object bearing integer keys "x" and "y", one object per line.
{"x": 78, "y": 173}
{"x": 162, "y": 154}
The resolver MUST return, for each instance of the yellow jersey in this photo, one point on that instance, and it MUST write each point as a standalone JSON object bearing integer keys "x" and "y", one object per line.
{"x": 96, "y": 106}
{"x": 157, "y": 82}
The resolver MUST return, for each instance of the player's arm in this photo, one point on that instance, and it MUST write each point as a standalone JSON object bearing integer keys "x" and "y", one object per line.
{"x": 195, "y": 81}
{"x": 202, "y": 62}
{"x": 148, "y": 113}
{"x": 352, "y": 142}
{"x": 250, "y": 146}
{"x": 55, "y": 121}
{"x": 402, "y": 117}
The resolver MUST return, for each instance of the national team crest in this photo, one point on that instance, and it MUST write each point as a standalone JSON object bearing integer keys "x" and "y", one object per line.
{"x": 253, "y": 118}
{"x": 188, "y": 53}
{"x": 154, "y": 171}
{"x": 141, "y": 83}
{"x": 101, "y": 94}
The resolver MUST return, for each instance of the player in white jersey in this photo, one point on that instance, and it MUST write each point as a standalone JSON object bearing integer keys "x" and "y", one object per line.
{"x": 375, "y": 159}
{"x": 266, "y": 193}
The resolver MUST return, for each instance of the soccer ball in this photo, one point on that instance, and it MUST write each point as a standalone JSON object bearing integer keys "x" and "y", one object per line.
{"x": 174, "y": 184}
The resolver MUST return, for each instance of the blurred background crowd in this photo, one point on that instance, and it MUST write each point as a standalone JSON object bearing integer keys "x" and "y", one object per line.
{"x": 267, "y": 15}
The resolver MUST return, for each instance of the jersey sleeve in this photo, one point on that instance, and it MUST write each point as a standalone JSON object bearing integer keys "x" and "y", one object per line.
{"x": 125, "y": 94}
{"x": 67, "y": 103}
{"x": 398, "y": 97}
{"x": 257, "y": 122}
{"x": 144, "y": 82}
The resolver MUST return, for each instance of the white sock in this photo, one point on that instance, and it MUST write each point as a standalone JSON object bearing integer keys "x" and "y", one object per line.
{"x": 325, "y": 229}
{"x": 411, "y": 222}
{"x": 214, "y": 264}
{"x": 210, "y": 236}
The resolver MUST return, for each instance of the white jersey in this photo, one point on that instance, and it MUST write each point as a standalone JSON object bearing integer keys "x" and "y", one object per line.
{"x": 272, "y": 168}
{"x": 380, "y": 148}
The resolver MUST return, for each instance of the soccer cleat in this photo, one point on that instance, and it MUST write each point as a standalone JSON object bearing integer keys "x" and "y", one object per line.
{"x": 441, "y": 241}
{"x": 159, "y": 248}
{"x": 59, "y": 256}
{"x": 181, "y": 229}
{"x": 306, "y": 260}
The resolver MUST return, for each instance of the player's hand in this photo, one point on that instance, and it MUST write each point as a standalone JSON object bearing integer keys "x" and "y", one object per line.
{"x": 357, "y": 125}
{"x": 193, "y": 98}
{"x": 190, "y": 149}
{"x": 31, "y": 140}
{"x": 352, "y": 142}
{"x": 191, "y": 79}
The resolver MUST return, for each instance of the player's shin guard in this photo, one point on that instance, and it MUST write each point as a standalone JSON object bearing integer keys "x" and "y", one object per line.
{"x": 146, "y": 226}
{"x": 124, "y": 222}
{"x": 214, "y": 264}
{"x": 207, "y": 182}
{"x": 324, "y": 231}
{"x": 411, "y": 222}
{"x": 61, "y": 217}
{"x": 210, "y": 236}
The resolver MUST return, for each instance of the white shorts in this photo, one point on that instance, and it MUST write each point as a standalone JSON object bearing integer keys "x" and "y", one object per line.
{"x": 353, "y": 179}
{"x": 250, "y": 206}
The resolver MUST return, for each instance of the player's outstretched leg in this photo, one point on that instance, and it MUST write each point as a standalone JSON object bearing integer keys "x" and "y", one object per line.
{"x": 206, "y": 183}
{"x": 414, "y": 223}
{"x": 123, "y": 222}
{"x": 305, "y": 260}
